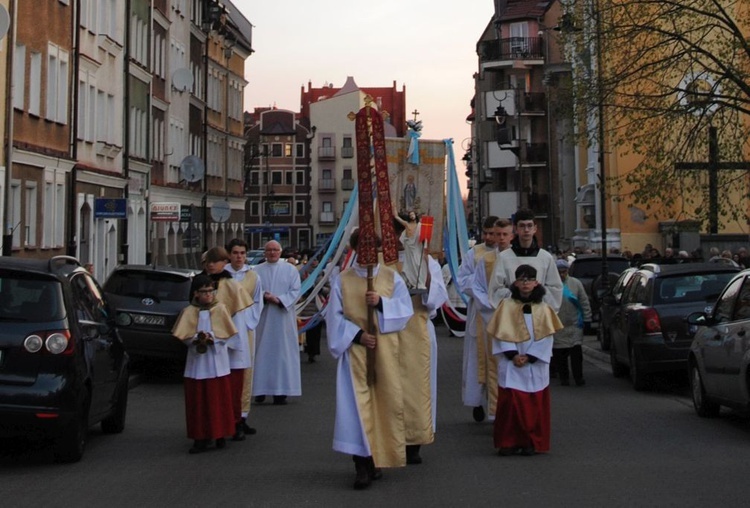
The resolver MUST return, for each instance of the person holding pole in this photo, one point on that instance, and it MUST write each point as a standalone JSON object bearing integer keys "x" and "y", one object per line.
{"x": 369, "y": 422}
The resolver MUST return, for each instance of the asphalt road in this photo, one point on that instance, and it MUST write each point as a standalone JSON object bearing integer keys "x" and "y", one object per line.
{"x": 611, "y": 446}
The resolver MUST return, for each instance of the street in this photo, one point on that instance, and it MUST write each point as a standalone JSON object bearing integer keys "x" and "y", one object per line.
{"x": 611, "y": 446}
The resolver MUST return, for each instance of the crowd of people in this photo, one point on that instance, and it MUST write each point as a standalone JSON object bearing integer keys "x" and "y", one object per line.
{"x": 525, "y": 320}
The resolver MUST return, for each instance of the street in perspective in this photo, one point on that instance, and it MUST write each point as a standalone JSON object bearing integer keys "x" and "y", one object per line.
{"x": 611, "y": 446}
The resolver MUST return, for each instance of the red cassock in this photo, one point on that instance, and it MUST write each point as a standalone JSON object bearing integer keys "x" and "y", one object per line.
{"x": 522, "y": 419}
{"x": 208, "y": 408}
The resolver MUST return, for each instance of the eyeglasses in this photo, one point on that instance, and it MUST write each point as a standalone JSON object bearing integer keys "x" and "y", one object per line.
{"x": 206, "y": 291}
{"x": 525, "y": 280}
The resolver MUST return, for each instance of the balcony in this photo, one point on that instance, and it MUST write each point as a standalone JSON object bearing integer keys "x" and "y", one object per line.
{"x": 347, "y": 184}
{"x": 511, "y": 49}
{"x": 347, "y": 152}
{"x": 515, "y": 103}
{"x": 327, "y": 185}
{"x": 327, "y": 218}
{"x": 326, "y": 153}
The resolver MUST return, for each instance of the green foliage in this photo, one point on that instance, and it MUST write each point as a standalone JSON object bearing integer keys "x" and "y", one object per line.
{"x": 668, "y": 70}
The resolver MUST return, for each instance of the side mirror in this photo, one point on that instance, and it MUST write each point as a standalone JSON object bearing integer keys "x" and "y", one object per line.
{"x": 699, "y": 319}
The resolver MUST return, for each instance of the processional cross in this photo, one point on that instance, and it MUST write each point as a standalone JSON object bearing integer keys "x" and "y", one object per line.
{"x": 713, "y": 166}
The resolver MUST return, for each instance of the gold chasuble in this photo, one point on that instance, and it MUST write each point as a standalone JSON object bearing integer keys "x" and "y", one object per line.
{"x": 414, "y": 354}
{"x": 248, "y": 284}
{"x": 509, "y": 325}
{"x": 487, "y": 361}
{"x": 488, "y": 258}
{"x": 229, "y": 294}
{"x": 186, "y": 326}
{"x": 381, "y": 405}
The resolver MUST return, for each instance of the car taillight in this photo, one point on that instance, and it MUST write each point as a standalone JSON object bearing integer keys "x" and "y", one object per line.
{"x": 651, "y": 321}
{"x": 58, "y": 342}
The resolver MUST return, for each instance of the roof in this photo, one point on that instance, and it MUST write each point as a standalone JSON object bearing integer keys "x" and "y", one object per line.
{"x": 522, "y": 9}
{"x": 681, "y": 268}
{"x": 58, "y": 265}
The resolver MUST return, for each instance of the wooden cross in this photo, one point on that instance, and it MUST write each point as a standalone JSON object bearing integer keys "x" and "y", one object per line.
{"x": 415, "y": 113}
{"x": 713, "y": 166}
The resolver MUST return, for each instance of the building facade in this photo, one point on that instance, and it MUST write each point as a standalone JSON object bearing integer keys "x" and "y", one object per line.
{"x": 126, "y": 135}
{"x": 521, "y": 153}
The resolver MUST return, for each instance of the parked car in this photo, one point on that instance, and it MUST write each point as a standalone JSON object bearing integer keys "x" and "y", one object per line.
{"x": 607, "y": 305}
{"x": 648, "y": 328}
{"x": 255, "y": 257}
{"x": 63, "y": 367}
{"x": 147, "y": 300}
{"x": 588, "y": 269}
{"x": 720, "y": 351}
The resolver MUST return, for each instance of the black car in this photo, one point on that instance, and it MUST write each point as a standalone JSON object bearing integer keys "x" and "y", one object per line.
{"x": 648, "y": 328}
{"x": 63, "y": 367}
{"x": 588, "y": 269}
{"x": 720, "y": 351}
{"x": 608, "y": 305}
{"x": 148, "y": 300}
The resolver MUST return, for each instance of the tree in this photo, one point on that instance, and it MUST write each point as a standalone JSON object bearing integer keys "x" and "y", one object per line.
{"x": 669, "y": 70}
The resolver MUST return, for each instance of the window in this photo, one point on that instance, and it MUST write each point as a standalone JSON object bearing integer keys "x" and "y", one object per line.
{"x": 288, "y": 150}
{"x": 723, "y": 309}
{"x": 347, "y": 142}
{"x": 276, "y": 150}
{"x": 19, "y": 76}
{"x": 30, "y": 214}
{"x": 299, "y": 207}
{"x": 289, "y": 177}
{"x": 326, "y": 174}
{"x": 300, "y": 148}
{"x": 300, "y": 177}
{"x": 57, "y": 84}
{"x": 347, "y": 173}
{"x": 15, "y": 212}
{"x": 327, "y": 206}
{"x": 35, "y": 84}
{"x": 254, "y": 208}
{"x": 276, "y": 178}
{"x": 254, "y": 178}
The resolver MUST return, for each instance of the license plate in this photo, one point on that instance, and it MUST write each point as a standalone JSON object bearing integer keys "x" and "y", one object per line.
{"x": 145, "y": 319}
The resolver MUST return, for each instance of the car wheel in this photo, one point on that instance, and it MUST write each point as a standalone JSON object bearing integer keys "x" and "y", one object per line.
{"x": 637, "y": 376}
{"x": 603, "y": 336}
{"x": 70, "y": 443}
{"x": 618, "y": 369}
{"x": 704, "y": 406}
{"x": 115, "y": 422}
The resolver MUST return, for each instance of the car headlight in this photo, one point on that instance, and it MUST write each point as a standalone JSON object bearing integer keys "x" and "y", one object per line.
{"x": 124, "y": 319}
{"x": 56, "y": 343}
{"x": 33, "y": 343}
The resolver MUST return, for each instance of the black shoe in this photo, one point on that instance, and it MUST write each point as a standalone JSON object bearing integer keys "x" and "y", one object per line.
{"x": 478, "y": 414}
{"x": 259, "y": 399}
{"x": 362, "y": 479}
{"x": 199, "y": 446}
{"x": 412, "y": 454}
{"x": 528, "y": 451}
{"x": 375, "y": 472}
{"x": 222, "y": 442}
{"x": 310, "y": 359}
{"x": 247, "y": 429}
{"x": 239, "y": 433}
{"x": 580, "y": 382}
{"x": 279, "y": 400}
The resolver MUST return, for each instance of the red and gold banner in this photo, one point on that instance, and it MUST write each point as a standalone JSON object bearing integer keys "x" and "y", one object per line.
{"x": 371, "y": 146}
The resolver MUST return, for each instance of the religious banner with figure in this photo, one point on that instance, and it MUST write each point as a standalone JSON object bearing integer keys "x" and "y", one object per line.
{"x": 419, "y": 188}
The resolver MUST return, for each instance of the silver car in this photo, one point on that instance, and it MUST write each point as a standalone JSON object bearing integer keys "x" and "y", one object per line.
{"x": 720, "y": 351}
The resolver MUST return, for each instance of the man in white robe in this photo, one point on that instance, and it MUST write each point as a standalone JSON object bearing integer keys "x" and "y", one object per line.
{"x": 369, "y": 422}
{"x": 471, "y": 387}
{"x": 525, "y": 251}
{"x": 249, "y": 280}
{"x": 277, "y": 363}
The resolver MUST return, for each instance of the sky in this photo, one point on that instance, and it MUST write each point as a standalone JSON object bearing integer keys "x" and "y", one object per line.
{"x": 427, "y": 45}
